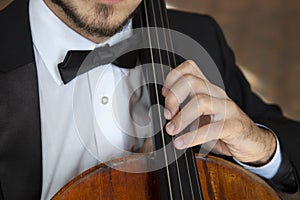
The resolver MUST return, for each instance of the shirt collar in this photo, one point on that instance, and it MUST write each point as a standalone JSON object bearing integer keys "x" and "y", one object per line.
{"x": 52, "y": 38}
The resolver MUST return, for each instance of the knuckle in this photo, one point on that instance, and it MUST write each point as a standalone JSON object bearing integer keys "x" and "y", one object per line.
{"x": 191, "y": 62}
{"x": 193, "y": 82}
{"x": 194, "y": 67}
{"x": 171, "y": 101}
{"x": 203, "y": 101}
{"x": 190, "y": 80}
{"x": 189, "y": 77}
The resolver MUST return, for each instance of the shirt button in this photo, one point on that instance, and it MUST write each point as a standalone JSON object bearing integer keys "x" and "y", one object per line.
{"x": 104, "y": 100}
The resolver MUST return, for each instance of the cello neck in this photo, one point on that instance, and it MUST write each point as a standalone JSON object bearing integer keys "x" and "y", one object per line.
{"x": 179, "y": 178}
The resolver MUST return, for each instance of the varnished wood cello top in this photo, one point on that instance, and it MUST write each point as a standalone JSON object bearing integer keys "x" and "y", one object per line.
{"x": 219, "y": 180}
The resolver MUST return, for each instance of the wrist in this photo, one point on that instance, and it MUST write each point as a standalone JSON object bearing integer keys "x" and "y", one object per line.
{"x": 270, "y": 169}
{"x": 269, "y": 145}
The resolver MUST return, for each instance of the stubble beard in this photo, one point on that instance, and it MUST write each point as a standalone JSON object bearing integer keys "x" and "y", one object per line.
{"x": 97, "y": 23}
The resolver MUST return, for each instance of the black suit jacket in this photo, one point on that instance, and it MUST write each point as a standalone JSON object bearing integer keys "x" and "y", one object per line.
{"x": 20, "y": 131}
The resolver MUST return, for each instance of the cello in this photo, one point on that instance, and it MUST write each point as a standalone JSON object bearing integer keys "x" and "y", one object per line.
{"x": 188, "y": 176}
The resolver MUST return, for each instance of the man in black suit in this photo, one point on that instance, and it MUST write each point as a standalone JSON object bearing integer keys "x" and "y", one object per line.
{"x": 26, "y": 171}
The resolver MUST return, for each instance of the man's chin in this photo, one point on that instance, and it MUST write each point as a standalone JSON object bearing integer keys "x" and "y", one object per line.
{"x": 109, "y": 2}
{"x": 104, "y": 30}
{"x": 92, "y": 24}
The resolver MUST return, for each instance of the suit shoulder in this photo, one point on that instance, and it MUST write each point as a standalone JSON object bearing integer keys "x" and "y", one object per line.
{"x": 184, "y": 15}
{"x": 183, "y": 20}
{"x": 201, "y": 28}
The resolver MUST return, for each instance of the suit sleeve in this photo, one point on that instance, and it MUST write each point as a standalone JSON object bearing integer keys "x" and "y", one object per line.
{"x": 287, "y": 131}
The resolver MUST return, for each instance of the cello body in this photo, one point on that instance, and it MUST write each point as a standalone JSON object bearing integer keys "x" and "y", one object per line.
{"x": 219, "y": 180}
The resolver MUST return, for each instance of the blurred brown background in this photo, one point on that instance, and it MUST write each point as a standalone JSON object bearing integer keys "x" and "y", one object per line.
{"x": 265, "y": 36}
{"x": 4, "y": 3}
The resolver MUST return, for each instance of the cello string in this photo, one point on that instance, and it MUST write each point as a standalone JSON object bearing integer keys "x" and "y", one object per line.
{"x": 157, "y": 98}
{"x": 163, "y": 76}
{"x": 175, "y": 63}
{"x": 169, "y": 64}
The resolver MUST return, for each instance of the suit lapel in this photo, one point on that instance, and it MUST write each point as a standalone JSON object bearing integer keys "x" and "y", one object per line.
{"x": 20, "y": 135}
{"x": 15, "y": 37}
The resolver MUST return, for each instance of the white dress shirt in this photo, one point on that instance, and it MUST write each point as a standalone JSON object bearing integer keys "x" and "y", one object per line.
{"x": 79, "y": 120}
{"x": 73, "y": 139}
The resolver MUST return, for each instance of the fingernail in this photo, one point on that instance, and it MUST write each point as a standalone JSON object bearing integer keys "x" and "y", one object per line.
{"x": 178, "y": 143}
{"x": 171, "y": 127}
{"x": 167, "y": 114}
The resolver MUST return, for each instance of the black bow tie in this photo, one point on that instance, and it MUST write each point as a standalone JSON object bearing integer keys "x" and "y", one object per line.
{"x": 79, "y": 62}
